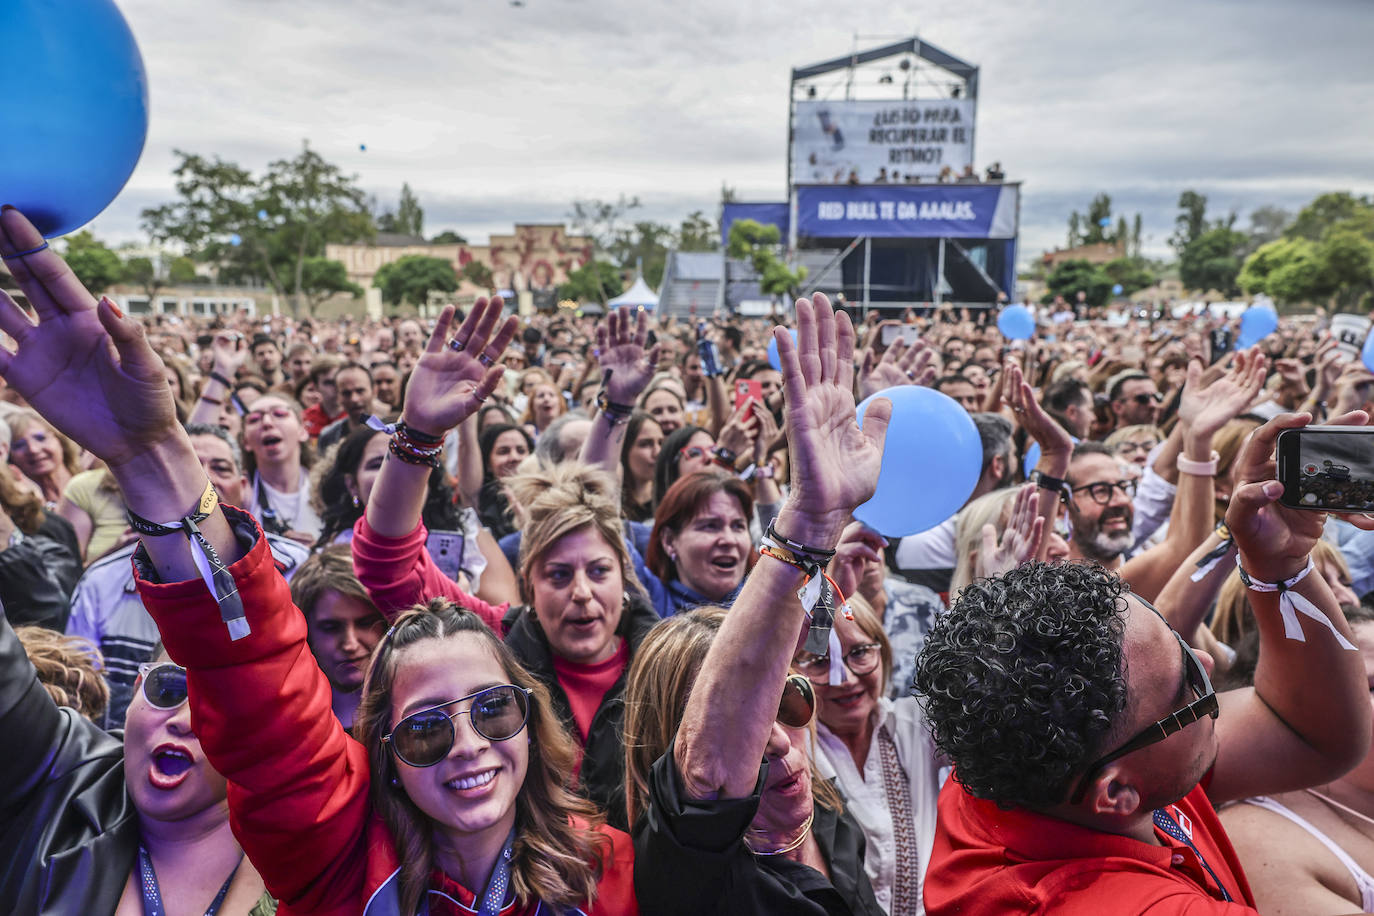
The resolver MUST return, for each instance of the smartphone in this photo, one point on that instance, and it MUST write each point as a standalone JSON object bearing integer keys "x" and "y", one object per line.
{"x": 908, "y": 333}
{"x": 1327, "y": 468}
{"x": 446, "y": 549}
{"x": 1221, "y": 342}
{"x": 746, "y": 390}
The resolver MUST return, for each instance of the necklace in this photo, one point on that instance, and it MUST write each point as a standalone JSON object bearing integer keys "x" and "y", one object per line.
{"x": 1340, "y": 807}
{"x": 801, "y": 838}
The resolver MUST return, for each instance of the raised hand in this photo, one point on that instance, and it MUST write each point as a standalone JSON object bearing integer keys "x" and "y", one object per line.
{"x": 835, "y": 464}
{"x": 84, "y": 366}
{"x": 859, "y": 548}
{"x": 231, "y": 351}
{"x": 1019, "y": 542}
{"x": 620, "y": 352}
{"x": 900, "y": 364}
{"x": 1040, "y": 426}
{"x": 1206, "y": 408}
{"x": 738, "y": 433}
{"x": 454, "y": 377}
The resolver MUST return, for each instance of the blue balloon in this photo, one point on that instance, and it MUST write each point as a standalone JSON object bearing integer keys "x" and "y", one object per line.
{"x": 1117, "y": 289}
{"x": 362, "y": 147}
{"x": 235, "y": 240}
{"x": 1105, "y": 221}
{"x": 1032, "y": 459}
{"x": 931, "y": 462}
{"x": 1016, "y": 323}
{"x": 773, "y": 350}
{"x": 1367, "y": 354}
{"x": 262, "y": 214}
{"x": 1256, "y": 323}
{"x": 75, "y": 111}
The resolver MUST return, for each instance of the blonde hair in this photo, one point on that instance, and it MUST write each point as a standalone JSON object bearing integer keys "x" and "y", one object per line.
{"x": 1232, "y": 618}
{"x": 21, "y": 420}
{"x": 559, "y": 500}
{"x": 70, "y": 669}
{"x": 989, "y": 509}
{"x": 1130, "y": 432}
{"x": 659, "y": 683}
{"x": 558, "y": 855}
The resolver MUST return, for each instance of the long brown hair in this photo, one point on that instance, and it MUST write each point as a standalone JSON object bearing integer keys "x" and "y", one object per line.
{"x": 554, "y": 859}
{"x": 24, "y": 507}
{"x": 662, "y": 674}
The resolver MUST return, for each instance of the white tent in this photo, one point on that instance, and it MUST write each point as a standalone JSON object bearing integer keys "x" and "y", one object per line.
{"x": 639, "y": 294}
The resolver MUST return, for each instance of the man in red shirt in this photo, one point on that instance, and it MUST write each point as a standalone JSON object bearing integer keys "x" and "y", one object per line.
{"x": 1085, "y": 735}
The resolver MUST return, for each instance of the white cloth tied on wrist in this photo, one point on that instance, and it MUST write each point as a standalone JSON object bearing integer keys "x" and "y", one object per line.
{"x": 1291, "y": 604}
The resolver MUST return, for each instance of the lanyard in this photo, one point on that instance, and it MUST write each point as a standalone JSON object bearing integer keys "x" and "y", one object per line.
{"x": 152, "y": 894}
{"x": 499, "y": 883}
{"x": 1166, "y": 823}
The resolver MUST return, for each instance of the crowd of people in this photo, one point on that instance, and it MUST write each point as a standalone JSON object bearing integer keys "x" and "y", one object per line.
{"x": 560, "y": 614}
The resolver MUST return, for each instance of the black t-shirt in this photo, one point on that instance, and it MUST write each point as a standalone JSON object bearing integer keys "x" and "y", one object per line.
{"x": 690, "y": 858}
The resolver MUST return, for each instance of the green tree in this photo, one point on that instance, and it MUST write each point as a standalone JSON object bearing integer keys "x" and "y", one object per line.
{"x": 1075, "y": 229}
{"x": 1099, "y": 210}
{"x": 1213, "y": 260}
{"x": 448, "y": 237}
{"x": 182, "y": 271}
{"x": 602, "y": 221}
{"x": 1069, "y": 278}
{"x": 325, "y": 277}
{"x": 144, "y": 273}
{"x": 1267, "y": 224}
{"x": 1133, "y": 273}
{"x": 96, "y": 266}
{"x": 262, "y": 228}
{"x": 413, "y": 277}
{"x": 409, "y": 218}
{"x": 1346, "y": 259}
{"x": 645, "y": 243}
{"x": 1135, "y": 236}
{"x": 759, "y": 245}
{"x": 697, "y": 233}
{"x": 478, "y": 273}
{"x": 596, "y": 281}
{"x": 1191, "y": 221}
{"x": 1327, "y": 210}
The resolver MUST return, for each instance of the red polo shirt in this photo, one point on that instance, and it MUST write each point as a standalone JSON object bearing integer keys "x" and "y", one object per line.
{"x": 990, "y": 862}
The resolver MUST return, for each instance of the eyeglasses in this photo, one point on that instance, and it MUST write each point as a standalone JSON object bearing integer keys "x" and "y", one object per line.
{"x": 797, "y": 707}
{"x": 1205, "y": 705}
{"x": 859, "y": 660}
{"x": 424, "y": 738}
{"x": 692, "y": 451}
{"x": 280, "y": 413}
{"x": 1101, "y": 492}
{"x": 1146, "y": 399}
{"x": 164, "y": 684}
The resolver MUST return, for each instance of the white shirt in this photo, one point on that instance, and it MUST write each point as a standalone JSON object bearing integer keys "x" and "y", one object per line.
{"x": 865, "y": 794}
{"x": 292, "y": 509}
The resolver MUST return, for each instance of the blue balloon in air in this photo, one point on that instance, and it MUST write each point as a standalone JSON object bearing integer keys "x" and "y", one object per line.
{"x": 74, "y": 110}
{"x": 1117, "y": 289}
{"x": 1016, "y": 323}
{"x": 1367, "y": 354}
{"x": 1105, "y": 221}
{"x": 773, "y": 350}
{"x": 262, "y": 214}
{"x": 235, "y": 240}
{"x": 931, "y": 462}
{"x": 1256, "y": 323}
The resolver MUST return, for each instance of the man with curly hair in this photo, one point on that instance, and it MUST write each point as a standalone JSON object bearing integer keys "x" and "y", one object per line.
{"x": 1086, "y": 739}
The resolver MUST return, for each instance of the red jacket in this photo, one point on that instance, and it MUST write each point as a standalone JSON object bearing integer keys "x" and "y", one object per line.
{"x": 399, "y": 572}
{"x": 298, "y": 783}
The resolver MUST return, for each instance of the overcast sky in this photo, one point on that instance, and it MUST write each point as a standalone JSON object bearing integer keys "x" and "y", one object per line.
{"x": 498, "y": 113}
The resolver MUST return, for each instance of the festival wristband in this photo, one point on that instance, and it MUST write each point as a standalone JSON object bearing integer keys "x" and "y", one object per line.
{"x": 1211, "y": 558}
{"x": 213, "y": 572}
{"x": 1199, "y": 468}
{"x": 1291, "y": 604}
{"x": 1046, "y": 482}
{"x": 221, "y": 379}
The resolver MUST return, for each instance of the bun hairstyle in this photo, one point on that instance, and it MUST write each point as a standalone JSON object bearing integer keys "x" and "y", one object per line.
{"x": 560, "y": 500}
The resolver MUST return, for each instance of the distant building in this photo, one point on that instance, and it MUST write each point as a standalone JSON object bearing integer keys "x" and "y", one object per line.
{"x": 536, "y": 257}
{"x": 1096, "y": 253}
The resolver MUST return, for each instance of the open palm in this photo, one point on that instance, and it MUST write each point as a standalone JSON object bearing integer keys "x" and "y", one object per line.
{"x": 453, "y": 378}
{"x": 620, "y": 352}
{"x": 84, "y": 366}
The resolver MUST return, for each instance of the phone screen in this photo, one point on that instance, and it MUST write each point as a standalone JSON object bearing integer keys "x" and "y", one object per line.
{"x": 909, "y": 334}
{"x": 1327, "y": 468}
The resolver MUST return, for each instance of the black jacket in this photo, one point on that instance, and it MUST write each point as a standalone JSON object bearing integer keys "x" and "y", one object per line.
{"x": 38, "y": 573}
{"x": 690, "y": 859}
{"x": 68, "y": 829}
{"x": 602, "y": 777}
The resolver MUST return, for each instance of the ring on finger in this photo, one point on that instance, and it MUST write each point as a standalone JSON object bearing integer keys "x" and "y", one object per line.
{"x": 911, "y": 375}
{"x": 485, "y": 360}
{"x": 457, "y": 345}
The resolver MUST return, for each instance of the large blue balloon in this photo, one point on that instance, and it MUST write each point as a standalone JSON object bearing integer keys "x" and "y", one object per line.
{"x": 74, "y": 112}
{"x": 1367, "y": 354}
{"x": 931, "y": 462}
{"x": 1256, "y": 323}
{"x": 773, "y": 350}
{"x": 1016, "y": 323}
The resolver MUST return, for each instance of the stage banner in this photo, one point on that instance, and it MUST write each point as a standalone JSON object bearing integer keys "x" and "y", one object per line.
{"x": 866, "y": 142}
{"x": 766, "y": 214}
{"x": 959, "y": 211}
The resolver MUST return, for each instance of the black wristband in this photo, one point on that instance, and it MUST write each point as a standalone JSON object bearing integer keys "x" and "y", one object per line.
{"x": 1053, "y": 484}
{"x": 823, "y": 557}
{"x": 725, "y": 457}
{"x": 221, "y": 379}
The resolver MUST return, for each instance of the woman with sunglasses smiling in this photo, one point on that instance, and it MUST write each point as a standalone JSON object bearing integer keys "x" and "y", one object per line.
{"x": 726, "y": 812}
{"x": 154, "y": 832}
{"x": 333, "y": 825}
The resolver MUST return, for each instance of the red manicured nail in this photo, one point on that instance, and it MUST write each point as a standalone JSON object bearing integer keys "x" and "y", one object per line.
{"x": 114, "y": 308}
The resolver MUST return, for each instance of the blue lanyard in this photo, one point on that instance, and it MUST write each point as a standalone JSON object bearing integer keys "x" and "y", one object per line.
{"x": 1166, "y": 823}
{"x": 498, "y": 885}
{"x": 152, "y": 894}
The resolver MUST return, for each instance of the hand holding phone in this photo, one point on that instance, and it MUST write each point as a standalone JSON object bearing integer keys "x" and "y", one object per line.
{"x": 1327, "y": 468}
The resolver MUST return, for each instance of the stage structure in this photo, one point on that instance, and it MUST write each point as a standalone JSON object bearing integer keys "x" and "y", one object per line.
{"x": 881, "y": 171}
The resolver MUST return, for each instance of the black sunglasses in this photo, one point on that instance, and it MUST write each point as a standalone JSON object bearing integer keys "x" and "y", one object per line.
{"x": 1206, "y": 704}
{"x": 1144, "y": 399}
{"x": 424, "y": 738}
{"x": 797, "y": 707}
{"x": 1101, "y": 492}
{"x": 164, "y": 684}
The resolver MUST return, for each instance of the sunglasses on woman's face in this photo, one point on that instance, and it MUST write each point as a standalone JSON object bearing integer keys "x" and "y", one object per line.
{"x": 424, "y": 738}
{"x": 164, "y": 684}
{"x": 798, "y": 705}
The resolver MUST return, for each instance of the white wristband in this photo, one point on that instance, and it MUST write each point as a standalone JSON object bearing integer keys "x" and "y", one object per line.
{"x": 1291, "y": 604}
{"x": 1199, "y": 468}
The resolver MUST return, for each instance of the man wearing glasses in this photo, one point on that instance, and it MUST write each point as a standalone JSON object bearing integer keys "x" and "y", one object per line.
{"x": 1089, "y": 746}
{"x": 1098, "y": 498}
{"x": 1135, "y": 399}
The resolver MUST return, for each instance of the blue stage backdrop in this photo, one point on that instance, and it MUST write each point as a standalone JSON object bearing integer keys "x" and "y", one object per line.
{"x": 767, "y": 214}
{"x": 957, "y": 211}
